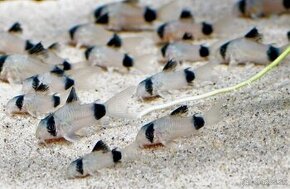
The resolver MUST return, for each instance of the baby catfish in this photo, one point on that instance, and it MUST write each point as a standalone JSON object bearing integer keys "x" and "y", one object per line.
{"x": 36, "y": 105}
{"x": 106, "y": 57}
{"x": 164, "y": 130}
{"x": 11, "y": 43}
{"x": 182, "y": 51}
{"x": 100, "y": 157}
{"x": 66, "y": 121}
{"x": 245, "y": 49}
{"x": 170, "y": 79}
{"x": 261, "y": 8}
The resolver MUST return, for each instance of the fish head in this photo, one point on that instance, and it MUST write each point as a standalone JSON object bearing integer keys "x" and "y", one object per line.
{"x": 27, "y": 85}
{"x": 47, "y": 129}
{"x": 75, "y": 169}
{"x": 239, "y": 8}
{"x": 15, "y": 105}
{"x": 145, "y": 89}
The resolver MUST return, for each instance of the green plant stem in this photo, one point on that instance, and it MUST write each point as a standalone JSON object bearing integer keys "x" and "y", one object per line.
{"x": 252, "y": 79}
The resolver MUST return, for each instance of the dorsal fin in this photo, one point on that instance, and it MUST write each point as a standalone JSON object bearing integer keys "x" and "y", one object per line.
{"x": 54, "y": 47}
{"x": 57, "y": 71}
{"x": 72, "y": 97}
{"x": 37, "y": 49}
{"x": 170, "y": 66}
{"x": 101, "y": 146}
{"x": 15, "y": 28}
{"x": 254, "y": 35}
{"x": 180, "y": 111}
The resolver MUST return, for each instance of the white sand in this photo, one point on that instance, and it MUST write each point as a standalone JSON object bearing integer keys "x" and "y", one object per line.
{"x": 250, "y": 145}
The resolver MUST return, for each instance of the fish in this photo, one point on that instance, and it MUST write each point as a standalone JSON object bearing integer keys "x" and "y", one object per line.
{"x": 165, "y": 129}
{"x": 171, "y": 79}
{"x": 261, "y": 8}
{"x": 248, "y": 48}
{"x": 36, "y": 105}
{"x": 11, "y": 43}
{"x": 179, "y": 30}
{"x": 69, "y": 119}
{"x": 182, "y": 51}
{"x": 109, "y": 58}
{"x": 100, "y": 157}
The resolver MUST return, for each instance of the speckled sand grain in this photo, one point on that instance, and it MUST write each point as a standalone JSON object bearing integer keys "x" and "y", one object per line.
{"x": 250, "y": 145}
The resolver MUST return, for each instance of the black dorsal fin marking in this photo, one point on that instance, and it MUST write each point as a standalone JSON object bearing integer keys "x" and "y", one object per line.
{"x": 254, "y": 34}
{"x": 57, "y": 71}
{"x": 15, "y": 28}
{"x": 101, "y": 146}
{"x": 223, "y": 49}
{"x": 115, "y": 41}
{"x": 37, "y": 49}
{"x": 203, "y": 51}
{"x": 54, "y": 46}
{"x": 170, "y": 66}
{"x": 79, "y": 165}
{"x": 103, "y": 19}
{"x": 187, "y": 36}
{"x": 150, "y": 14}
{"x": 198, "y": 121}
{"x": 72, "y": 31}
{"x": 28, "y": 45}
{"x": 180, "y": 111}
{"x": 117, "y": 155}
{"x": 88, "y": 52}
{"x": 128, "y": 61}
{"x": 66, "y": 65}
{"x": 242, "y": 6}
{"x": 186, "y": 14}
{"x": 56, "y": 100}
{"x": 148, "y": 85}
{"x": 98, "y": 11}
{"x": 42, "y": 87}
{"x": 37, "y": 86}
{"x": 72, "y": 97}
{"x": 286, "y": 4}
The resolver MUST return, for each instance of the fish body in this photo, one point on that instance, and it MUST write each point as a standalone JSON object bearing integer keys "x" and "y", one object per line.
{"x": 246, "y": 49}
{"x": 34, "y": 104}
{"x": 261, "y": 8}
{"x": 66, "y": 121}
{"x": 182, "y": 51}
{"x": 165, "y": 129}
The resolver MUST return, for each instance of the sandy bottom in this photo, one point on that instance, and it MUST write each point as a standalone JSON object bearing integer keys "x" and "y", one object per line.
{"x": 248, "y": 146}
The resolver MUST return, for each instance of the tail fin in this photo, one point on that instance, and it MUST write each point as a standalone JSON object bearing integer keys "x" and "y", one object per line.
{"x": 205, "y": 73}
{"x": 118, "y": 105}
{"x": 214, "y": 115}
{"x": 146, "y": 63}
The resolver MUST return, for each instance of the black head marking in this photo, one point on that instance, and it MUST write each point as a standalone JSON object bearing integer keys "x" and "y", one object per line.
{"x": 187, "y": 36}
{"x": 57, "y": 71}
{"x": 56, "y": 100}
{"x": 223, "y": 49}
{"x": 66, "y": 65}
{"x": 150, "y": 15}
{"x": 98, "y": 12}
{"x": 19, "y": 101}
{"x": 203, "y": 51}
{"x": 128, "y": 61}
{"x": 28, "y": 45}
{"x": 68, "y": 83}
{"x": 79, "y": 166}
{"x": 50, "y": 125}
{"x": 99, "y": 111}
{"x": 288, "y": 35}
{"x": 161, "y": 30}
{"x": 88, "y": 52}
{"x": 101, "y": 146}
{"x": 272, "y": 53}
{"x": 149, "y": 132}
{"x": 286, "y": 4}
{"x": 164, "y": 48}
{"x": 185, "y": 14}
{"x": 72, "y": 31}
{"x": 2, "y": 61}
{"x": 207, "y": 28}
{"x": 242, "y": 6}
{"x": 104, "y": 19}
{"x": 198, "y": 121}
{"x": 115, "y": 41}
{"x": 189, "y": 75}
{"x": 117, "y": 155}
{"x": 149, "y": 85}
{"x": 15, "y": 28}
